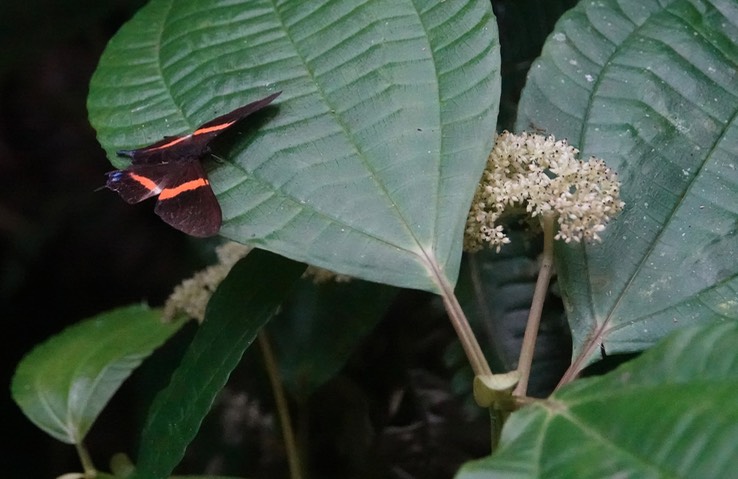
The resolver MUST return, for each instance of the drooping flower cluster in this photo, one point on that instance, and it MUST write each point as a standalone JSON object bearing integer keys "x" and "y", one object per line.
{"x": 192, "y": 295}
{"x": 322, "y": 276}
{"x": 540, "y": 175}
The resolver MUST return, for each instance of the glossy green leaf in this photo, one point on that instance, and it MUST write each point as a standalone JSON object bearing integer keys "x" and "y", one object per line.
{"x": 64, "y": 383}
{"x": 238, "y": 309}
{"x": 669, "y": 413}
{"x": 320, "y": 326}
{"x": 650, "y": 87}
{"x": 368, "y": 160}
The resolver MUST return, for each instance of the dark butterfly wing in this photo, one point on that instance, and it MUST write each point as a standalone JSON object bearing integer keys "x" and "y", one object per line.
{"x": 138, "y": 183}
{"x": 216, "y": 125}
{"x": 171, "y": 169}
{"x": 194, "y": 145}
{"x": 187, "y": 201}
{"x": 166, "y": 150}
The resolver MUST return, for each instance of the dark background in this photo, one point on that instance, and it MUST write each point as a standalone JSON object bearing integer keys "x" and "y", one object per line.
{"x": 68, "y": 251}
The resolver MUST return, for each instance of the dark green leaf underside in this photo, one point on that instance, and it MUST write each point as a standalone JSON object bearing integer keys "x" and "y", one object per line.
{"x": 368, "y": 161}
{"x": 651, "y": 88}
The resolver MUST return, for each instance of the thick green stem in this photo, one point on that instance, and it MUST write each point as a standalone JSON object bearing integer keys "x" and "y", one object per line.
{"x": 534, "y": 316}
{"x": 280, "y": 399}
{"x": 84, "y": 458}
{"x": 464, "y": 332}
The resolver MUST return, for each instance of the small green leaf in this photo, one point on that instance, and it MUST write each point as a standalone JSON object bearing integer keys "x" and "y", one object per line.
{"x": 649, "y": 86}
{"x": 121, "y": 465}
{"x": 238, "y": 309}
{"x": 669, "y": 413}
{"x": 368, "y": 161}
{"x": 99, "y": 475}
{"x": 64, "y": 383}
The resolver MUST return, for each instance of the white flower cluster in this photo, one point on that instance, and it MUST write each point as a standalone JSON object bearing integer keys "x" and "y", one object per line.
{"x": 321, "y": 276}
{"x": 541, "y": 176}
{"x": 192, "y": 295}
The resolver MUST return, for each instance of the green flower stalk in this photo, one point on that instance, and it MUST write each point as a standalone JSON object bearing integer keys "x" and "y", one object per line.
{"x": 569, "y": 199}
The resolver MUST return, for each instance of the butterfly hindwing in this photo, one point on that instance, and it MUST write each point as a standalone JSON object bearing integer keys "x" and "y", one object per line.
{"x": 187, "y": 201}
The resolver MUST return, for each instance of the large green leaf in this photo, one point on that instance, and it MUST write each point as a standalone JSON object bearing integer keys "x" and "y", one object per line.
{"x": 368, "y": 161}
{"x": 65, "y": 382}
{"x": 669, "y": 413}
{"x": 651, "y": 88}
{"x": 239, "y": 308}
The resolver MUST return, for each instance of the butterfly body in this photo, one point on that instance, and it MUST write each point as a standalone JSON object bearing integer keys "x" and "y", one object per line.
{"x": 171, "y": 169}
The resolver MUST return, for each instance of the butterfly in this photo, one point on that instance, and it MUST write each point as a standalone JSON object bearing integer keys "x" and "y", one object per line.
{"x": 172, "y": 170}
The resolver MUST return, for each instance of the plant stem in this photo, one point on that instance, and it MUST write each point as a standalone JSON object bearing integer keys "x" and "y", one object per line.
{"x": 497, "y": 420}
{"x": 283, "y": 411}
{"x": 86, "y": 461}
{"x": 536, "y": 308}
{"x": 464, "y": 332}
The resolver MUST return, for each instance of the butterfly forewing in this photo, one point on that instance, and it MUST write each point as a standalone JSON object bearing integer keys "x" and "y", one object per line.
{"x": 195, "y": 144}
{"x": 213, "y": 126}
{"x": 168, "y": 150}
{"x": 138, "y": 183}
